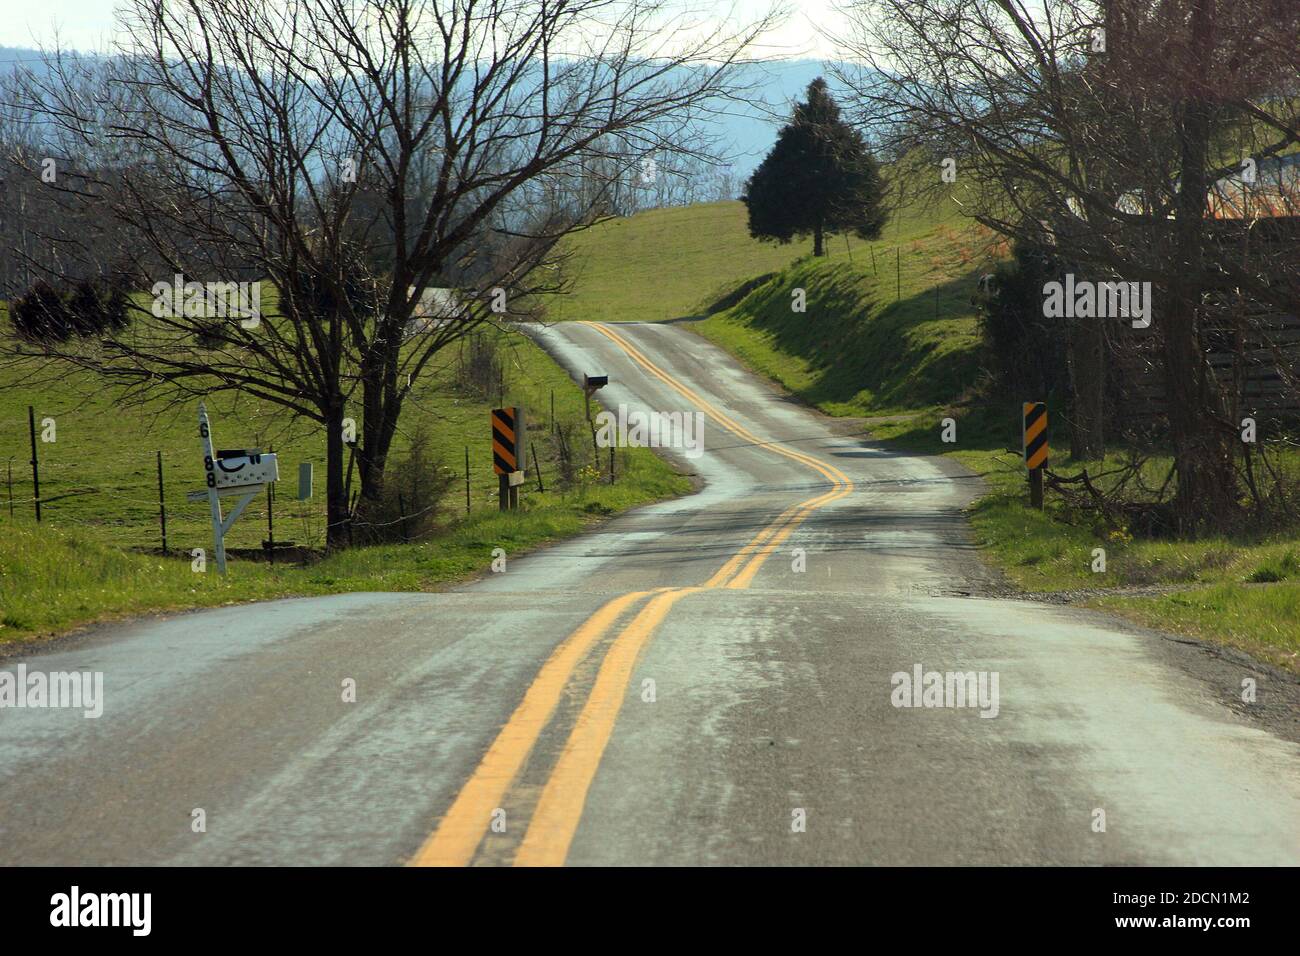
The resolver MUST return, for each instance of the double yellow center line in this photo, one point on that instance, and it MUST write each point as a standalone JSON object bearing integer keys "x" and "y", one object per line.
{"x": 557, "y": 813}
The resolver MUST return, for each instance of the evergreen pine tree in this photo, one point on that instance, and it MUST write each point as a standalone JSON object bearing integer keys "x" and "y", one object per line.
{"x": 819, "y": 178}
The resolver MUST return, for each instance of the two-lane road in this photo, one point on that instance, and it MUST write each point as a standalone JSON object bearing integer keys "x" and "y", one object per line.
{"x": 708, "y": 680}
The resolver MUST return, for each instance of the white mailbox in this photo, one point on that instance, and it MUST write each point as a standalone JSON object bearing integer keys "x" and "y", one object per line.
{"x": 245, "y": 470}
{"x": 237, "y": 473}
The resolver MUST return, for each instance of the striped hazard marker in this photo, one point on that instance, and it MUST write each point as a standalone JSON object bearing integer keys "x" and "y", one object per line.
{"x": 508, "y": 431}
{"x": 505, "y": 441}
{"x": 1035, "y": 442}
{"x": 1035, "y": 445}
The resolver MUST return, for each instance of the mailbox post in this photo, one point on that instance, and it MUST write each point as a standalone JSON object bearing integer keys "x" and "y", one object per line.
{"x": 239, "y": 473}
{"x": 590, "y": 385}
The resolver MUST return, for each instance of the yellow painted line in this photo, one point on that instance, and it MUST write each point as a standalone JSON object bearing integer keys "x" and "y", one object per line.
{"x": 781, "y": 533}
{"x": 559, "y": 810}
{"x": 466, "y": 821}
{"x": 788, "y": 520}
{"x": 723, "y": 573}
{"x": 743, "y": 579}
{"x": 555, "y": 819}
{"x": 828, "y": 471}
{"x": 465, "y": 824}
{"x": 691, "y": 395}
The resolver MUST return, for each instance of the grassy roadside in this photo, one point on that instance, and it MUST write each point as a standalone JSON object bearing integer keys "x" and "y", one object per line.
{"x": 91, "y": 558}
{"x": 52, "y": 580}
{"x": 902, "y": 350}
{"x": 1242, "y": 591}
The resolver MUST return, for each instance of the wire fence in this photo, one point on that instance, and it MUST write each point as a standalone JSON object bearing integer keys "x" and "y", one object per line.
{"x": 127, "y": 495}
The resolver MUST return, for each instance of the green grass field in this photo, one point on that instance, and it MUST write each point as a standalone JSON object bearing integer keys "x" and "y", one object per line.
{"x": 92, "y": 557}
{"x": 667, "y": 263}
{"x": 887, "y": 324}
{"x": 890, "y": 336}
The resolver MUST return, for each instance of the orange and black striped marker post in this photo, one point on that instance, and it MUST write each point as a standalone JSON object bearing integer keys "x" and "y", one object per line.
{"x": 507, "y": 452}
{"x": 1035, "y": 445}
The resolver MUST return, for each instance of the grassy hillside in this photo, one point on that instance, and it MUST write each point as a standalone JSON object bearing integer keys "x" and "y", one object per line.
{"x": 887, "y": 324}
{"x": 899, "y": 336}
{"x": 666, "y": 263}
{"x": 890, "y": 335}
{"x": 94, "y": 554}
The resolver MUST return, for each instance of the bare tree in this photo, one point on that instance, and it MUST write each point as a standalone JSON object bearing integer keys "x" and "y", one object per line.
{"x": 352, "y": 153}
{"x": 1099, "y": 127}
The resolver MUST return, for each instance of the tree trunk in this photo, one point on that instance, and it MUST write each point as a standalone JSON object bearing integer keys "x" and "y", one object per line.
{"x": 1206, "y": 497}
{"x": 336, "y": 493}
{"x": 1087, "y": 361}
{"x": 382, "y": 406}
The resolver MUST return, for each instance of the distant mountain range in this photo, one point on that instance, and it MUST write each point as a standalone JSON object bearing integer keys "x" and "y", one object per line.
{"x": 744, "y": 130}
{"x": 17, "y": 55}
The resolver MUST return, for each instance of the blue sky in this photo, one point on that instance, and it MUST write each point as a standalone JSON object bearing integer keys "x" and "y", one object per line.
{"x": 88, "y": 24}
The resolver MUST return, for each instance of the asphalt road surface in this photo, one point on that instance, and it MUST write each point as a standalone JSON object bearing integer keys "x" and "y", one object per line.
{"x": 710, "y": 680}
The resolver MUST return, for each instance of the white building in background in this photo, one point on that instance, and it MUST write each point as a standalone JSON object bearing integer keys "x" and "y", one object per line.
{"x": 1264, "y": 189}
{"x": 435, "y": 308}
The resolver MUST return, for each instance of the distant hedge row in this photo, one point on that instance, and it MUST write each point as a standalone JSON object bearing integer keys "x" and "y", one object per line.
{"x": 44, "y": 314}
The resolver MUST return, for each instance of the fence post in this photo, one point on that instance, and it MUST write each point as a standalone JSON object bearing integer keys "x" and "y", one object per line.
{"x": 162, "y": 506}
{"x": 36, "y": 475}
{"x": 536, "y": 467}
